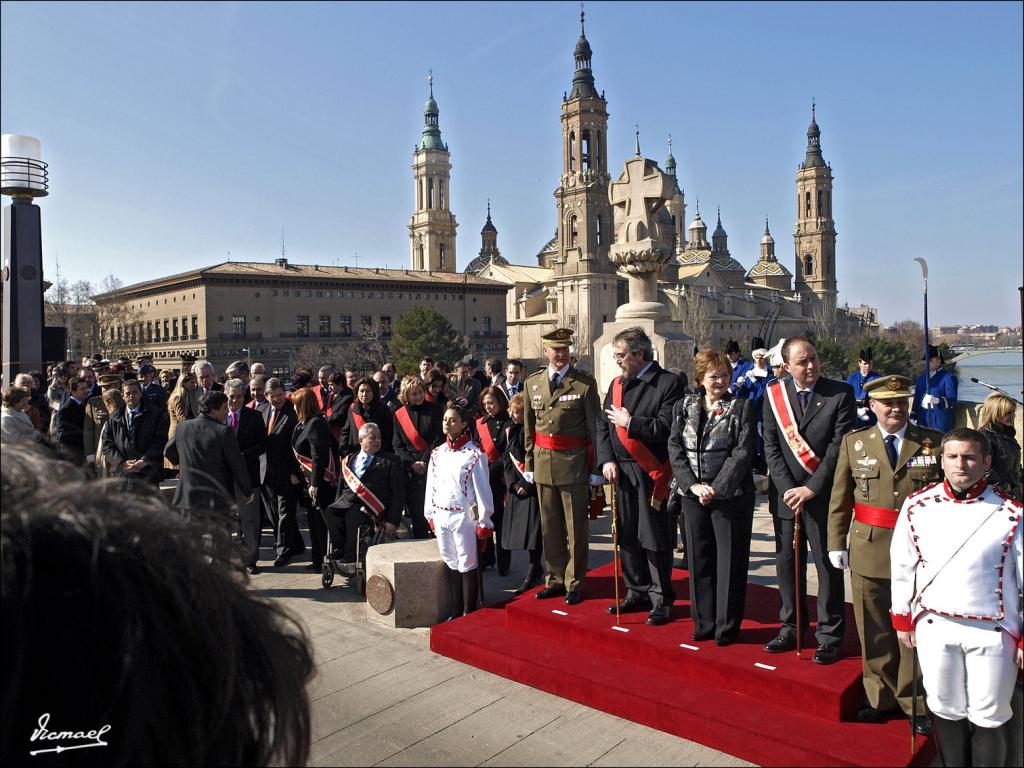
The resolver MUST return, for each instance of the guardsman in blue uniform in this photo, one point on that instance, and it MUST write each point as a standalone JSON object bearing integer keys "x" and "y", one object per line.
{"x": 752, "y": 386}
{"x": 739, "y": 365}
{"x": 865, "y": 373}
{"x": 935, "y": 402}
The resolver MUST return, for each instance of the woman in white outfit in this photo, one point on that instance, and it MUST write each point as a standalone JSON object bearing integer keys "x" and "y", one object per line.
{"x": 458, "y": 508}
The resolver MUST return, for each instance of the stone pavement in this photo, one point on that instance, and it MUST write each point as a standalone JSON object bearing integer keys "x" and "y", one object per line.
{"x": 381, "y": 697}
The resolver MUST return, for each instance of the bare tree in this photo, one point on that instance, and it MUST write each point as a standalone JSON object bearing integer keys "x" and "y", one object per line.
{"x": 374, "y": 345}
{"x": 694, "y": 312}
{"x": 824, "y": 323}
{"x": 118, "y": 321}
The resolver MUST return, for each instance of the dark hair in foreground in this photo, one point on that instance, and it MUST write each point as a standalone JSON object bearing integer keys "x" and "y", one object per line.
{"x": 968, "y": 435}
{"x": 119, "y": 612}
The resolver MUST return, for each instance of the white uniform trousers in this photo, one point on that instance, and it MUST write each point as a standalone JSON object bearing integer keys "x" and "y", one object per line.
{"x": 968, "y": 668}
{"x": 456, "y": 538}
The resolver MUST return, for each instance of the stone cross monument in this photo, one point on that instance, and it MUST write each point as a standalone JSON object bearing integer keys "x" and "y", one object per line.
{"x": 643, "y": 246}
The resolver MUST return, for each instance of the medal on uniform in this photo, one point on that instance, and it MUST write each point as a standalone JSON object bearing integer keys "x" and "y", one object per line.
{"x": 926, "y": 447}
{"x": 858, "y": 445}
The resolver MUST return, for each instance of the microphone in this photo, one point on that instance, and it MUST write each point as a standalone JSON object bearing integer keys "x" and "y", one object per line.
{"x": 996, "y": 389}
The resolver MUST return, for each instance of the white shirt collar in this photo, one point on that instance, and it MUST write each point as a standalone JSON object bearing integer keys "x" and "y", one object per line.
{"x": 900, "y": 433}
{"x": 561, "y": 371}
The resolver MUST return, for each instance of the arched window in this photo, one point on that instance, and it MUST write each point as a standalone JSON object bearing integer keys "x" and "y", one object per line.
{"x": 440, "y": 194}
{"x": 419, "y": 195}
{"x": 600, "y": 233}
{"x": 430, "y": 192}
{"x": 572, "y": 151}
{"x": 572, "y": 232}
{"x": 585, "y": 151}
{"x": 440, "y": 252}
{"x": 807, "y": 205}
{"x": 419, "y": 254}
{"x": 808, "y": 264}
{"x": 641, "y": 231}
{"x": 820, "y": 204}
{"x": 598, "y": 158}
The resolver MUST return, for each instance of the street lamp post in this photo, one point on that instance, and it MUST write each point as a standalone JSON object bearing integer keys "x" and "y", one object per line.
{"x": 23, "y": 176}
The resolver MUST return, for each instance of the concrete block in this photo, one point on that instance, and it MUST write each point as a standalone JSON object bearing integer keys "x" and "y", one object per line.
{"x": 419, "y": 579}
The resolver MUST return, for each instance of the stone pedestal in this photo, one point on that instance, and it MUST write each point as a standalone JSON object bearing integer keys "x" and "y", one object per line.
{"x": 419, "y": 578}
{"x": 672, "y": 348}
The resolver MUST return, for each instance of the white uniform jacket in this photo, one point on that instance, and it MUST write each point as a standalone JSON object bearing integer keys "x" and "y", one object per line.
{"x": 457, "y": 478}
{"x": 960, "y": 559}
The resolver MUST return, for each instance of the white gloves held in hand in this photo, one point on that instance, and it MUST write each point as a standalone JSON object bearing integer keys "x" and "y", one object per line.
{"x": 840, "y": 559}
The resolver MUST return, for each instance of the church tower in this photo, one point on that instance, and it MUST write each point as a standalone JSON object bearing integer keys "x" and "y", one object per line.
{"x": 489, "y": 253}
{"x": 432, "y": 226}
{"x": 586, "y": 284}
{"x": 677, "y": 205}
{"x": 815, "y": 236}
{"x": 767, "y": 271}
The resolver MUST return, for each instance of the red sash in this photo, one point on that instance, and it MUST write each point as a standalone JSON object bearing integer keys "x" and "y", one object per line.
{"x": 359, "y": 420}
{"x": 883, "y": 518}
{"x": 486, "y": 441}
{"x": 360, "y": 490}
{"x": 409, "y": 429}
{"x": 659, "y": 472}
{"x": 330, "y": 474}
{"x": 560, "y": 442}
{"x": 778, "y": 396}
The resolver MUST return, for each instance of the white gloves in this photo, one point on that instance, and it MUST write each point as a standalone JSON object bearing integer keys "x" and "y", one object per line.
{"x": 528, "y": 477}
{"x": 597, "y": 480}
{"x": 757, "y": 373}
{"x": 862, "y": 414}
{"x": 929, "y": 401}
{"x": 840, "y": 559}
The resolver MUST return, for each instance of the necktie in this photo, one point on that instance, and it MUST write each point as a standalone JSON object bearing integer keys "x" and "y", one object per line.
{"x": 890, "y": 448}
{"x": 233, "y": 416}
{"x": 805, "y": 398}
{"x": 554, "y": 382}
{"x": 131, "y": 417}
{"x": 270, "y": 424}
{"x": 364, "y": 462}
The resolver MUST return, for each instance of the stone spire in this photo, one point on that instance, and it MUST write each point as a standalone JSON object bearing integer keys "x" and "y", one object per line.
{"x": 670, "y": 162}
{"x": 431, "y": 129}
{"x": 813, "y": 158}
{"x": 583, "y": 79}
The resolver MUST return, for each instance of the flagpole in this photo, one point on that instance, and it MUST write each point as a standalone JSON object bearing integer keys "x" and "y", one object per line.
{"x": 924, "y": 273}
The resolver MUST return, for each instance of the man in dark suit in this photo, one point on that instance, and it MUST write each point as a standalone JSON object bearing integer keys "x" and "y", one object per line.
{"x": 336, "y": 412}
{"x": 464, "y": 388}
{"x": 323, "y": 389}
{"x": 210, "y": 465}
{"x": 279, "y": 474}
{"x": 69, "y": 424}
{"x": 513, "y": 382}
{"x": 251, "y": 433}
{"x": 134, "y": 439}
{"x": 203, "y": 370}
{"x": 152, "y": 392}
{"x": 803, "y": 431}
{"x": 638, "y": 407}
{"x": 370, "y": 481}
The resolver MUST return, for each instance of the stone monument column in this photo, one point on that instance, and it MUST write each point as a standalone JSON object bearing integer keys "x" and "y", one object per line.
{"x": 644, "y": 244}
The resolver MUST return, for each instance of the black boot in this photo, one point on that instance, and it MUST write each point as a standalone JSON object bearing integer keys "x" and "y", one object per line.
{"x": 455, "y": 594}
{"x": 504, "y": 558}
{"x": 531, "y": 580}
{"x": 953, "y": 740}
{"x": 471, "y": 589}
{"x": 989, "y": 746}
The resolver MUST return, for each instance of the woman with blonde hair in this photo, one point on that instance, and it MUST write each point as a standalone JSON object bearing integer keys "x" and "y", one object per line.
{"x": 417, "y": 431}
{"x": 997, "y": 416}
{"x": 16, "y": 424}
{"x": 183, "y": 404}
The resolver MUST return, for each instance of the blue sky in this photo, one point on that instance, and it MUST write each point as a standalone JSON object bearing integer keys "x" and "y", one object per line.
{"x": 179, "y": 132}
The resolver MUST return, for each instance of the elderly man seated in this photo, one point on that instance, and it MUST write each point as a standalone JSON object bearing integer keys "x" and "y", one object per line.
{"x": 372, "y": 488}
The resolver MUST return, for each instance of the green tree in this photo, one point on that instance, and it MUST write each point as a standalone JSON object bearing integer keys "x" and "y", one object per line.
{"x": 832, "y": 356}
{"x": 891, "y": 356}
{"x": 425, "y": 332}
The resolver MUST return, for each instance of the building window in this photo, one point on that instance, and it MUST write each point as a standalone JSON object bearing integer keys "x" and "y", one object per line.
{"x": 285, "y": 292}
{"x": 430, "y": 192}
{"x": 385, "y": 325}
{"x": 184, "y": 327}
{"x": 440, "y": 193}
{"x": 195, "y": 326}
{"x": 273, "y": 292}
{"x": 345, "y": 325}
{"x": 572, "y": 232}
{"x": 807, "y": 205}
{"x": 585, "y": 151}
{"x": 149, "y": 331}
{"x": 485, "y": 326}
{"x": 600, "y": 233}
{"x": 572, "y": 151}
{"x": 808, "y": 264}
{"x": 174, "y": 329}
{"x": 238, "y": 326}
{"x": 325, "y": 325}
{"x": 440, "y": 250}
{"x": 302, "y": 325}
{"x": 365, "y": 322}
{"x": 167, "y": 329}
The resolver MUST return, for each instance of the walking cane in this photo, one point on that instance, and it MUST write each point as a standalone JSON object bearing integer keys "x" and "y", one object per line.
{"x": 615, "y": 550}
{"x": 481, "y": 546}
{"x": 913, "y": 708}
{"x": 796, "y": 579}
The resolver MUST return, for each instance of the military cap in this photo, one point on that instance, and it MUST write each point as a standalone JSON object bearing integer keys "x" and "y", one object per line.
{"x": 146, "y": 368}
{"x": 888, "y": 387}
{"x": 559, "y": 338}
{"x": 867, "y": 355}
{"x": 933, "y": 351}
{"x": 100, "y": 367}
{"x": 732, "y": 346}
{"x": 110, "y": 380}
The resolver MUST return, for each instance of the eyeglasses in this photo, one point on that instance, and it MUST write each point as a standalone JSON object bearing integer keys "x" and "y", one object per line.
{"x": 621, "y": 355}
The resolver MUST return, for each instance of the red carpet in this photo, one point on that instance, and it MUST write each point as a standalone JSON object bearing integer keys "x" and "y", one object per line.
{"x": 795, "y": 714}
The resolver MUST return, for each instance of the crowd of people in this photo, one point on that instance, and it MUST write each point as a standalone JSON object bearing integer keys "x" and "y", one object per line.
{"x": 494, "y": 461}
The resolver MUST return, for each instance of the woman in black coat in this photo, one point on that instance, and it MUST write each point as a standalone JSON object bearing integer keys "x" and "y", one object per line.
{"x": 997, "y": 416}
{"x": 366, "y": 407}
{"x": 417, "y": 430}
{"x": 489, "y": 434}
{"x": 712, "y": 450}
{"x": 521, "y": 522}
{"x": 313, "y": 447}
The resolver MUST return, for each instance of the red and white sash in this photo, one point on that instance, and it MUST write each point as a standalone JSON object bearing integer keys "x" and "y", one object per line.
{"x": 360, "y": 490}
{"x": 330, "y": 474}
{"x": 486, "y": 441}
{"x": 357, "y": 418}
{"x": 660, "y": 472}
{"x": 409, "y": 429}
{"x": 778, "y": 396}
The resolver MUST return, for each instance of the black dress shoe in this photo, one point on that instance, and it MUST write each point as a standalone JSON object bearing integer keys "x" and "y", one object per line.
{"x": 660, "y": 616}
{"x": 252, "y": 569}
{"x": 826, "y": 654}
{"x": 869, "y": 714}
{"x": 724, "y": 641}
{"x": 548, "y": 592}
{"x": 573, "y": 597}
{"x": 701, "y": 636}
{"x": 282, "y": 560}
{"x": 632, "y": 604}
{"x": 314, "y": 567}
{"x": 922, "y": 725}
{"x": 781, "y": 644}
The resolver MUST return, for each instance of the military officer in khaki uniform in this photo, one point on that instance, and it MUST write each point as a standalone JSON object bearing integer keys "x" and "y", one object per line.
{"x": 560, "y": 423}
{"x": 96, "y": 414}
{"x": 879, "y": 466}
